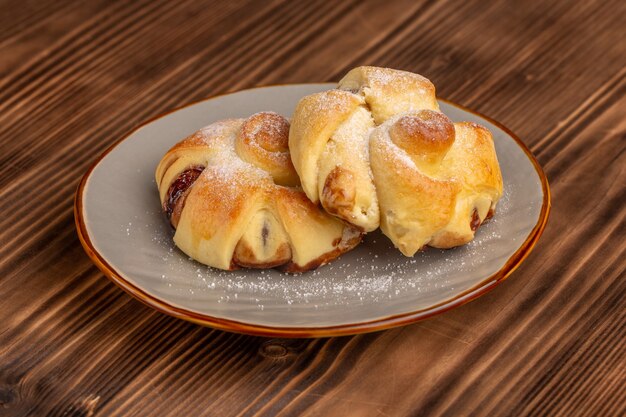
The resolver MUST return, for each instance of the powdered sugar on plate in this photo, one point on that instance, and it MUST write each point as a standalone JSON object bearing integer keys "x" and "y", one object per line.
{"x": 370, "y": 274}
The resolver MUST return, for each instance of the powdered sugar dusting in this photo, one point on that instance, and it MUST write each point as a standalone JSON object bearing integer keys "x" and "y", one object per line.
{"x": 353, "y": 134}
{"x": 273, "y": 125}
{"x": 372, "y": 273}
{"x": 388, "y": 150}
{"x": 225, "y": 164}
{"x": 384, "y": 76}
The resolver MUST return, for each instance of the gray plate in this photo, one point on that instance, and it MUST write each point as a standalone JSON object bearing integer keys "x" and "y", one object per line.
{"x": 373, "y": 287}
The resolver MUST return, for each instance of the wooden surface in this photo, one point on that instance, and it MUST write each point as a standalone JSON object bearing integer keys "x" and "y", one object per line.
{"x": 76, "y": 76}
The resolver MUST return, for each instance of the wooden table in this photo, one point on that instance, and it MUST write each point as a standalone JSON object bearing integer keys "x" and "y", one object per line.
{"x": 76, "y": 76}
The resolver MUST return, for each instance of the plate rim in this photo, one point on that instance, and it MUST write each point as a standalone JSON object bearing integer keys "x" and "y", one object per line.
{"x": 163, "y": 306}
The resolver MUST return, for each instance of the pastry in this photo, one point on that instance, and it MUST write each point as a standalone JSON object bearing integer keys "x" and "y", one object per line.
{"x": 233, "y": 196}
{"x": 377, "y": 151}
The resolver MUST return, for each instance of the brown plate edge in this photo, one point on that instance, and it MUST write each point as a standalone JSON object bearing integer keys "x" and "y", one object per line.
{"x": 303, "y": 332}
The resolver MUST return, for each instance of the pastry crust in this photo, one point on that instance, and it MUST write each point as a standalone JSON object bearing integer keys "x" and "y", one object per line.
{"x": 437, "y": 197}
{"x": 378, "y": 152}
{"x": 244, "y": 208}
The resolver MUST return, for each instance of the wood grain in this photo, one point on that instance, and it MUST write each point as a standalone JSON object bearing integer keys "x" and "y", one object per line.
{"x": 74, "y": 77}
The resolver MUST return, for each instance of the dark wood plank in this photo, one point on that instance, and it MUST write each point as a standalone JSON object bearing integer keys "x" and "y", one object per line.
{"x": 74, "y": 77}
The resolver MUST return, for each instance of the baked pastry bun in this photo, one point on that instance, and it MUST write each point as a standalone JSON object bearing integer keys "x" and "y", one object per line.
{"x": 233, "y": 196}
{"x": 377, "y": 151}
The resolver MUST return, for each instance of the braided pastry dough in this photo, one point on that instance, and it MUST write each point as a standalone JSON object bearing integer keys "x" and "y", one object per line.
{"x": 232, "y": 195}
{"x": 377, "y": 151}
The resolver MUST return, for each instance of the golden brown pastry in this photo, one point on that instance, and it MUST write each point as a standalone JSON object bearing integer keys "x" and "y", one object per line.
{"x": 233, "y": 196}
{"x": 377, "y": 151}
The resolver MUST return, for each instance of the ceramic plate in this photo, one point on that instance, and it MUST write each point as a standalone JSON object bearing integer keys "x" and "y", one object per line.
{"x": 371, "y": 288}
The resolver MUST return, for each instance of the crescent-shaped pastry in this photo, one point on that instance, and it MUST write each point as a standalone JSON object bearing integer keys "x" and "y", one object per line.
{"x": 377, "y": 151}
{"x": 233, "y": 196}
